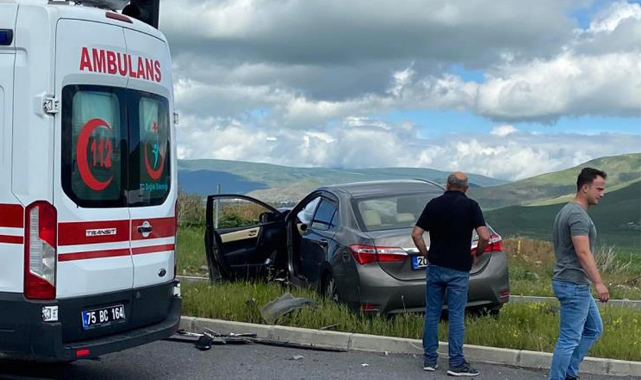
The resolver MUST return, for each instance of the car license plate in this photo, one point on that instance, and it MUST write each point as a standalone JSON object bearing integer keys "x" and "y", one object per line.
{"x": 103, "y": 317}
{"x": 419, "y": 262}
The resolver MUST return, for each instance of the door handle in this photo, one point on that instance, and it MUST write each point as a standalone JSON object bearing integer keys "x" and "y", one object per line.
{"x": 145, "y": 229}
{"x": 323, "y": 242}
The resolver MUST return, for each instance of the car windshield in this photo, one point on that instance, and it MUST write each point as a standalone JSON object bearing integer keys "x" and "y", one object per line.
{"x": 391, "y": 212}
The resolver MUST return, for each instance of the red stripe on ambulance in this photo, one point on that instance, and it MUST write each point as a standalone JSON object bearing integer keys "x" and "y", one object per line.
{"x": 73, "y": 233}
{"x": 153, "y": 248}
{"x": 123, "y": 64}
{"x": 162, "y": 228}
{"x": 8, "y": 239}
{"x": 11, "y": 215}
{"x": 93, "y": 254}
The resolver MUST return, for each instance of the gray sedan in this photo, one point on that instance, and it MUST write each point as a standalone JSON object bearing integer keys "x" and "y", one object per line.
{"x": 351, "y": 242}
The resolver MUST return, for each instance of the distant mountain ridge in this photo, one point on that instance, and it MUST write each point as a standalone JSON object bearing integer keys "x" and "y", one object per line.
{"x": 558, "y": 187}
{"x": 617, "y": 218}
{"x": 279, "y": 183}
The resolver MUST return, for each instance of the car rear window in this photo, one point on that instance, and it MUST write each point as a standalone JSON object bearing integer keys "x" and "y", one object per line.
{"x": 115, "y": 146}
{"x": 391, "y": 212}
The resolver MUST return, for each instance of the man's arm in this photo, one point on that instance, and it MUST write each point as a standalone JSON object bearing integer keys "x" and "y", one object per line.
{"x": 484, "y": 238}
{"x": 417, "y": 236}
{"x": 586, "y": 258}
{"x": 481, "y": 230}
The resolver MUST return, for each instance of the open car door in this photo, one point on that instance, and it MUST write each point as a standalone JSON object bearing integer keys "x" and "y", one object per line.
{"x": 244, "y": 237}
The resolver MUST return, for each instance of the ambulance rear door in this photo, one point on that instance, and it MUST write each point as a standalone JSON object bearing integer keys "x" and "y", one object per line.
{"x": 152, "y": 169}
{"x": 94, "y": 227}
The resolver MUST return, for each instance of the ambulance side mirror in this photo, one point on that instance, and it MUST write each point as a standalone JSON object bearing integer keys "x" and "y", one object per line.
{"x": 147, "y": 11}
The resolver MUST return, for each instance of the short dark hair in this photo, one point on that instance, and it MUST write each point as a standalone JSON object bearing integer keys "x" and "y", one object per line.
{"x": 587, "y": 176}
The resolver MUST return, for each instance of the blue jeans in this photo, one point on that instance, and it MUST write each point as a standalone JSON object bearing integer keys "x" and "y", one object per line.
{"x": 440, "y": 280}
{"x": 581, "y": 326}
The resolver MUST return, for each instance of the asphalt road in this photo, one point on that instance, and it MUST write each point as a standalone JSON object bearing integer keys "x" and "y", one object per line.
{"x": 173, "y": 360}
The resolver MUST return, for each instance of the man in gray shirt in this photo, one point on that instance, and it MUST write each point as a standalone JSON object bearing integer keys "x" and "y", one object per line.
{"x": 574, "y": 235}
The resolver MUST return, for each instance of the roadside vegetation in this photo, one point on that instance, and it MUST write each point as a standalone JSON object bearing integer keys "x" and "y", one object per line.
{"x": 531, "y": 264}
{"x": 528, "y": 326}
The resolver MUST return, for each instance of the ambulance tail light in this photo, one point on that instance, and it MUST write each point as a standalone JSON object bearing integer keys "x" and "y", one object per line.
{"x": 40, "y": 251}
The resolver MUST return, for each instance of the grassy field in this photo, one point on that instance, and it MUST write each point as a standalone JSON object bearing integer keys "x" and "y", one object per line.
{"x": 530, "y": 262}
{"x": 532, "y": 326}
{"x": 531, "y": 265}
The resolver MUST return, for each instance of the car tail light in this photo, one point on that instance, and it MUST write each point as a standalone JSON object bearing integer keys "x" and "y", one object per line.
{"x": 368, "y": 307}
{"x": 82, "y": 352}
{"x": 40, "y": 251}
{"x": 365, "y": 254}
{"x": 495, "y": 244}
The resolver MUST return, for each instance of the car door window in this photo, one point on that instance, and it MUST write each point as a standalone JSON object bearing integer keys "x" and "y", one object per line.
{"x": 306, "y": 214}
{"x": 324, "y": 215}
{"x": 238, "y": 213}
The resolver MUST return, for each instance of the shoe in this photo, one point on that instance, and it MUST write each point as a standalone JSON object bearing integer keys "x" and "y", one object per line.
{"x": 464, "y": 369}
{"x": 569, "y": 377}
{"x": 430, "y": 366}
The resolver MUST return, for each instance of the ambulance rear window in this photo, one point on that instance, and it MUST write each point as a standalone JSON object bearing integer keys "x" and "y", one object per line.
{"x": 150, "y": 141}
{"x": 93, "y": 130}
{"x": 115, "y": 146}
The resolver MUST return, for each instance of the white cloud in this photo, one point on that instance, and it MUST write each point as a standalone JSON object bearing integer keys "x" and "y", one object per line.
{"x": 299, "y": 82}
{"x": 503, "y": 130}
{"x": 505, "y": 153}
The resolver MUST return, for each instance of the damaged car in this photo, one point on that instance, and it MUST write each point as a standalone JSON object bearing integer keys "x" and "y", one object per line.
{"x": 351, "y": 242}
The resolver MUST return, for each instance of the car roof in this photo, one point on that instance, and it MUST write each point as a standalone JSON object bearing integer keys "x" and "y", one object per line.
{"x": 374, "y": 188}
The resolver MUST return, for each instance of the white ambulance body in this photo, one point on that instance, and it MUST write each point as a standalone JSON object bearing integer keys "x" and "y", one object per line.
{"x": 87, "y": 182}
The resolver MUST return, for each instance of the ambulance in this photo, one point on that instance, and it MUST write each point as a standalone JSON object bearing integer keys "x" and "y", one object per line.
{"x": 87, "y": 179}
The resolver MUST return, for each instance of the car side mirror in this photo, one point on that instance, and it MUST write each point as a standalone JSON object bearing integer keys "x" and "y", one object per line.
{"x": 267, "y": 217}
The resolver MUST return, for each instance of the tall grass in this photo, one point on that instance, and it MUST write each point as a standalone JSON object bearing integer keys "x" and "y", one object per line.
{"x": 531, "y": 326}
{"x": 531, "y": 266}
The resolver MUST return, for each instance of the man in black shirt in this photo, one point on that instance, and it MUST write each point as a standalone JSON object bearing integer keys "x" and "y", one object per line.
{"x": 450, "y": 220}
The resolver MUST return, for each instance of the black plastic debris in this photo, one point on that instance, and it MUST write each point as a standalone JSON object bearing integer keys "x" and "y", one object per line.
{"x": 283, "y": 305}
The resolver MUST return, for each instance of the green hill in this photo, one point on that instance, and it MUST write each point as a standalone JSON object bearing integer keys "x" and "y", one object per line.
{"x": 617, "y": 218}
{"x": 277, "y": 183}
{"x": 558, "y": 186}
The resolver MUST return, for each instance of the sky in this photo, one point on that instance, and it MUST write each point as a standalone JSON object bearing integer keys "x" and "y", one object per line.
{"x": 503, "y": 88}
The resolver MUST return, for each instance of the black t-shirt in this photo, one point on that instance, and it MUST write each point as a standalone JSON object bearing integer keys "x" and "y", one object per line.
{"x": 450, "y": 220}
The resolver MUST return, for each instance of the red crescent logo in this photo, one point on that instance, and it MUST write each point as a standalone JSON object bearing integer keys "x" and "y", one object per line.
{"x": 81, "y": 150}
{"x": 154, "y": 174}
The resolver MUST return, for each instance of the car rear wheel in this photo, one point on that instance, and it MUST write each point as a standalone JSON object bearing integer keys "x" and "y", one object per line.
{"x": 330, "y": 289}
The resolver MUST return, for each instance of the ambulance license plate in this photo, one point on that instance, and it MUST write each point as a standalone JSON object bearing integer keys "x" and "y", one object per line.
{"x": 419, "y": 262}
{"x": 103, "y": 317}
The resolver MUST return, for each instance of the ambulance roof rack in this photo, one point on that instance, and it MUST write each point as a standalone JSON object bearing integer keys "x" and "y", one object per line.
{"x": 102, "y": 4}
{"x": 147, "y": 11}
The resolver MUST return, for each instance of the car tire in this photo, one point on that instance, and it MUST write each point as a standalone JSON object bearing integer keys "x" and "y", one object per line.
{"x": 330, "y": 289}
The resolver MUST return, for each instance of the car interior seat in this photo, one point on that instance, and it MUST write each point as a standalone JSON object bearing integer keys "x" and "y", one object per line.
{"x": 405, "y": 217}
{"x": 372, "y": 218}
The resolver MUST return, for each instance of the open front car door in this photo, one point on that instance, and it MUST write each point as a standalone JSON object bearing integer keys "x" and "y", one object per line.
{"x": 244, "y": 238}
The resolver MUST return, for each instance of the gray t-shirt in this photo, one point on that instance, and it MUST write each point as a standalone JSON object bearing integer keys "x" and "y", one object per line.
{"x": 571, "y": 221}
